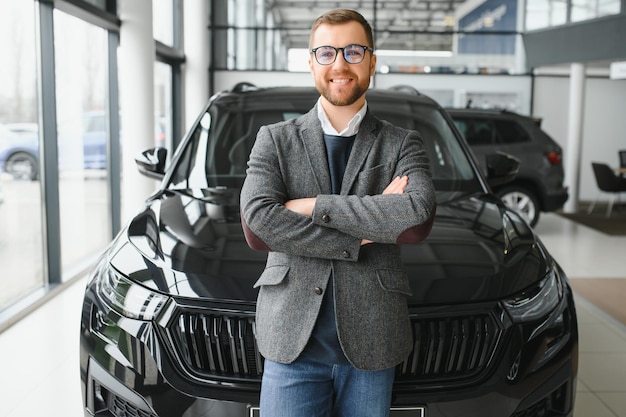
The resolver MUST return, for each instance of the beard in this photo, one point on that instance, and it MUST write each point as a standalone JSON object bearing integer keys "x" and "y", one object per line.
{"x": 343, "y": 97}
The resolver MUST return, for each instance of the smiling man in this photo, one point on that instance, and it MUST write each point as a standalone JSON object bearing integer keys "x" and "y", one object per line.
{"x": 331, "y": 195}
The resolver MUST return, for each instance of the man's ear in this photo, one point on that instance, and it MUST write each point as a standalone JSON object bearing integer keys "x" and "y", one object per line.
{"x": 372, "y": 65}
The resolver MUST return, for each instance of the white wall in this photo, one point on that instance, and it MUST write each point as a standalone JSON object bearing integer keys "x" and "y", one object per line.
{"x": 604, "y": 124}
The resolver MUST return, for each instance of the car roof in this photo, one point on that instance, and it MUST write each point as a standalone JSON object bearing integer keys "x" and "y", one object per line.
{"x": 404, "y": 92}
{"x": 476, "y": 111}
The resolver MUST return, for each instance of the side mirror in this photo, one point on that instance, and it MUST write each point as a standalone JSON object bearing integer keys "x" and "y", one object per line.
{"x": 501, "y": 168}
{"x": 151, "y": 162}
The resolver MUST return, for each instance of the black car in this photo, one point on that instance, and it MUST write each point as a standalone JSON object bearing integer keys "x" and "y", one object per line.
{"x": 168, "y": 320}
{"x": 538, "y": 185}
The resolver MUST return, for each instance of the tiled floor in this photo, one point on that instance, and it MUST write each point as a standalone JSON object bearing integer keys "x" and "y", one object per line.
{"x": 42, "y": 378}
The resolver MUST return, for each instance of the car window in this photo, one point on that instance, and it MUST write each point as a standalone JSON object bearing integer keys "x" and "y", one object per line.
{"x": 510, "y": 132}
{"x": 477, "y": 131}
{"x": 216, "y": 154}
{"x": 447, "y": 159}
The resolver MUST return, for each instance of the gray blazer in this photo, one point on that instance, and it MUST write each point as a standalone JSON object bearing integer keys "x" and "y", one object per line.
{"x": 288, "y": 161}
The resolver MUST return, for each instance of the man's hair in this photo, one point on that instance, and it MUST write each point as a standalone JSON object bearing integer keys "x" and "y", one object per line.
{"x": 339, "y": 16}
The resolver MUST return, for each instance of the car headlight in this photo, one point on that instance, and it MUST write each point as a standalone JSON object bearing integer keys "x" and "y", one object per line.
{"x": 537, "y": 301}
{"x": 126, "y": 297}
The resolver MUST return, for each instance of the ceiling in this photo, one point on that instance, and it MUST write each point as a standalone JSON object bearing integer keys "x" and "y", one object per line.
{"x": 398, "y": 24}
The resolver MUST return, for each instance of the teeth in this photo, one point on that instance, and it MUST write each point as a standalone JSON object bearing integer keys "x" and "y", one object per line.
{"x": 341, "y": 81}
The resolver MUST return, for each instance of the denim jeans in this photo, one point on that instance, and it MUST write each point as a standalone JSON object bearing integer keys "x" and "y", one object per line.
{"x": 311, "y": 388}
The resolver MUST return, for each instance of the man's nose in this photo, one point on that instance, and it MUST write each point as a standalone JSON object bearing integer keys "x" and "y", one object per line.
{"x": 341, "y": 59}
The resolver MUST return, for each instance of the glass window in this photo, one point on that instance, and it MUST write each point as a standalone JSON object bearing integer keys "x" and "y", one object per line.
{"x": 163, "y": 21}
{"x": 21, "y": 243}
{"x": 609, "y": 7}
{"x": 163, "y": 104}
{"x": 508, "y": 132}
{"x": 591, "y": 9}
{"x": 545, "y": 13}
{"x": 81, "y": 63}
{"x": 476, "y": 131}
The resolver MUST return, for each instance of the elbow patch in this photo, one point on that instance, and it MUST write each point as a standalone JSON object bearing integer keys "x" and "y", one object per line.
{"x": 252, "y": 239}
{"x": 417, "y": 233}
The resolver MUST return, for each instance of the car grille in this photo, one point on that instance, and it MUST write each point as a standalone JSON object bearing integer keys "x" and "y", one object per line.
{"x": 448, "y": 348}
{"x": 216, "y": 345}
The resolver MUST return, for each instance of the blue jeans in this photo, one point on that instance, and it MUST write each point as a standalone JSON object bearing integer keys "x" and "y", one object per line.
{"x": 310, "y": 388}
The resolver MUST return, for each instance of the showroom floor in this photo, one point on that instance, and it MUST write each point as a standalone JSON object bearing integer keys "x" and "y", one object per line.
{"x": 39, "y": 355}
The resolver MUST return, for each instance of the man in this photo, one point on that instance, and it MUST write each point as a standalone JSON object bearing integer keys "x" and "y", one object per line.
{"x": 331, "y": 195}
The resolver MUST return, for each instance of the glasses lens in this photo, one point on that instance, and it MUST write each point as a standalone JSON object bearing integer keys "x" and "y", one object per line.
{"x": 354, "y": 53}
{"x": 325, "y": 55}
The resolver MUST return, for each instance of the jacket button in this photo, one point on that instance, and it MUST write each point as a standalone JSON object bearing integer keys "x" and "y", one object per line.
{"x": 345, "y": 254}
{"x": 325, "y": 218}
{"x": 318, "y": 290}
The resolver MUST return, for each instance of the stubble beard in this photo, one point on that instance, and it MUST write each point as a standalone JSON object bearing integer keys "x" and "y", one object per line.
{"x": 341, "y": 99}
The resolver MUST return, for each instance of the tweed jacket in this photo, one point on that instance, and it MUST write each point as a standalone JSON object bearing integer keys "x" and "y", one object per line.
{"x": 288, "y": 161}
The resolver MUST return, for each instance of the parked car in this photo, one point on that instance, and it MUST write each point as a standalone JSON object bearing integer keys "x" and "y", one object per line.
{"x": 19, "y": 153}
{"x": 539, "y": 183}
{"x": 19, "y": 156}
{"x": 168, "y": 317}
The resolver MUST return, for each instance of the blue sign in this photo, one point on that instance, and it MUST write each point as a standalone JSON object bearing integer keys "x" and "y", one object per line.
{"x": 490, "y": 16}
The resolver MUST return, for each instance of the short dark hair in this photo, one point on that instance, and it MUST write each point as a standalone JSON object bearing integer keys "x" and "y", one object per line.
{"x": 339, "y": 16}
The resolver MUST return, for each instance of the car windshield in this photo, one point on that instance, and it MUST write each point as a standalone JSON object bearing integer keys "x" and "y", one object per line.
{"x": 216, "y": 154}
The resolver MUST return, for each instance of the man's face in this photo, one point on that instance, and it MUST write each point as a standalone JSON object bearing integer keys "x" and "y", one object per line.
{"x": 341, "y": 83}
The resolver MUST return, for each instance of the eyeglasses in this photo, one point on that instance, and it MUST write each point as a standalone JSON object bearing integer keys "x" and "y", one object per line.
{"x": 353, "y": 54}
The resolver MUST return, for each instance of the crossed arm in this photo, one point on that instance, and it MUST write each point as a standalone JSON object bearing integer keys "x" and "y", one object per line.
{"x": 329, "y": 225}
{"x": 305, "y": 206}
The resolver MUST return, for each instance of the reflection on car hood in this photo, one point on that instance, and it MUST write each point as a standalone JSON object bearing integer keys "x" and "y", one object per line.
{"x": 192, "y": 245}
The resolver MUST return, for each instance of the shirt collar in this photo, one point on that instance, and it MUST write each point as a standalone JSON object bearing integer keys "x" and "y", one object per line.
{"x": 350, "y": 130}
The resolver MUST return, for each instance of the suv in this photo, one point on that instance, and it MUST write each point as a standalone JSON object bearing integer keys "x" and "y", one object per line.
{"x": 539, "y": 182}
{"x": 168, "y": 317}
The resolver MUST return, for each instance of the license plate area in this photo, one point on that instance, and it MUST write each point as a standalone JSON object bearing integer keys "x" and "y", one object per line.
{"x": 408, "y": 412}
{"x": 395, "y": 412}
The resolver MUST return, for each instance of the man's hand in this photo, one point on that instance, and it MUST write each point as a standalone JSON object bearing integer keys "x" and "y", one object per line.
{"x": 302, "y": 206}
{"x": 305, "y": 206}
{"x": 397, "y": 186}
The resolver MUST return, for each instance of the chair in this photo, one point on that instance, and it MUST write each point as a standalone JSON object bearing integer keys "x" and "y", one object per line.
{"x": 607, "y": 182}
{"x": 622, "y": 158}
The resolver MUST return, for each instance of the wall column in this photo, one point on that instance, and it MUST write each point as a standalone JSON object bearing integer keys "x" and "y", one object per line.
{"x": 574, "y": 136}
{"x": 136, "y": 75}
{"x": 196, "y": 69}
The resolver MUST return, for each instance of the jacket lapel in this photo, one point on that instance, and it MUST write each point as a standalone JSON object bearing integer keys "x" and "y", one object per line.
{"x": 313, "y": 141}
{"x": 364, "y": 141}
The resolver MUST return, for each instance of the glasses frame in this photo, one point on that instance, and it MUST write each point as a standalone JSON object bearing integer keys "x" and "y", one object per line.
{"x": 343, "y": 52}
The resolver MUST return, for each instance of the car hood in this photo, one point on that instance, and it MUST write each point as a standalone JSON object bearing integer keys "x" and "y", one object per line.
{"x": 190, "y": 244}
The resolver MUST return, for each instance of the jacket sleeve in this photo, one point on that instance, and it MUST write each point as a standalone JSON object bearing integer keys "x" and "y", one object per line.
{"x": 389, "y": 218}
{"x": 269, "y": 226}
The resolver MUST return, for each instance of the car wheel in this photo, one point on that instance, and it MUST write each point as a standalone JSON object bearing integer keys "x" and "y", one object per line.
{"x": 22, "y": 166}
{"x": 521, "y": 201}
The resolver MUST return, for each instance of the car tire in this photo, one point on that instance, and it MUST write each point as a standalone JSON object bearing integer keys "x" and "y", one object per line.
{"x": 522, "y": 201}
{"x": 22, "y": 166}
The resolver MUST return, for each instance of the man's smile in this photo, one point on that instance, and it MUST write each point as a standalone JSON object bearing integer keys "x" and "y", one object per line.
{"x": 340, "y": 80}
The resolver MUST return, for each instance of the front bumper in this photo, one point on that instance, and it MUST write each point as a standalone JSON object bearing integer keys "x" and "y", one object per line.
{"x": 127, "y": 369}
{"x": 108, "y": 396}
